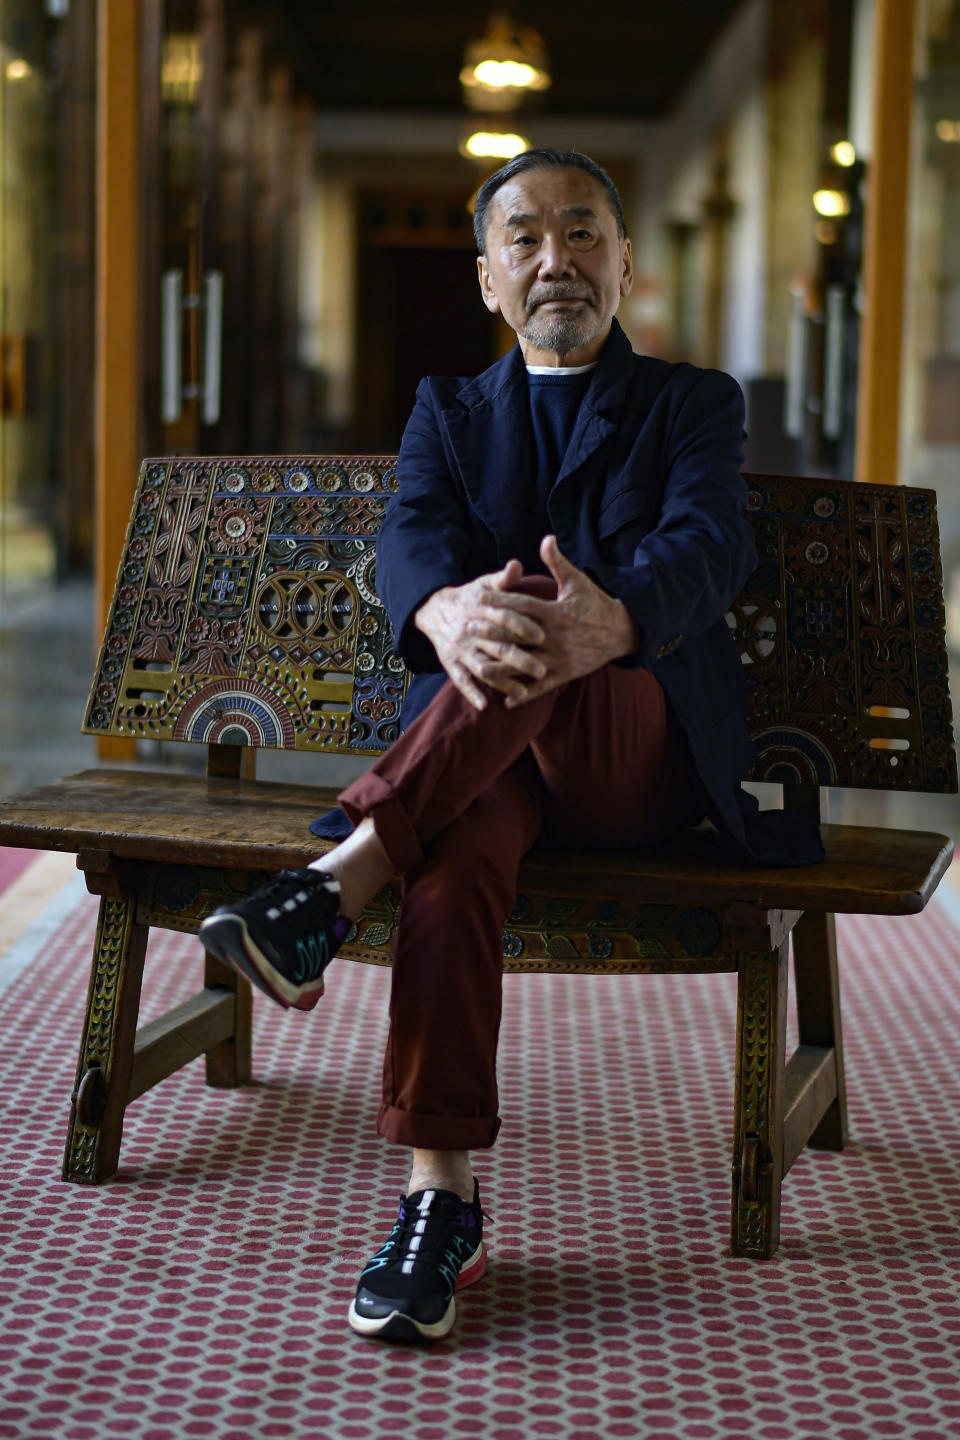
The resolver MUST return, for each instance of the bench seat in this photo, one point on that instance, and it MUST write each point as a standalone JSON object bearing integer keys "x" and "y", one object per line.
{"x": 262, "y": 825}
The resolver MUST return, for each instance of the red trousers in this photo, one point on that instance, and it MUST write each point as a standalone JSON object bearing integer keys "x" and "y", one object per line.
{"x": 456, "y": 802}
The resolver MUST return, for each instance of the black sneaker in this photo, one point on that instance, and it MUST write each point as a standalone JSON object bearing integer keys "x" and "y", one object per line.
{"x": 406, "y": 1292}
{"x": 283, "y": 936}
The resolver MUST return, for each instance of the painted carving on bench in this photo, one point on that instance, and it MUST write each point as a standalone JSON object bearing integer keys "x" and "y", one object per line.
{"x": 227, "y": 713}
{"x": 564, "y": 934}
{"x": 178, "y": 897}
{"x": 97, "y": 1047}
{"x": 248, "y": 614}
{"x": 753, "y": 1119}
{"x": 841, "y": 622}
{"x": 545, "y": 932}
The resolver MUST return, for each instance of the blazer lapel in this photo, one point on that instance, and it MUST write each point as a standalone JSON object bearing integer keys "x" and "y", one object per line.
{"x": 489, "y": 431}
{"x": 603, "y": 405}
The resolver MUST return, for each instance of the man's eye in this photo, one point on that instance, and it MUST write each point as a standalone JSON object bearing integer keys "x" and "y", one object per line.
{"x": 523, "y": 240}
{"x": 582, "y": 235}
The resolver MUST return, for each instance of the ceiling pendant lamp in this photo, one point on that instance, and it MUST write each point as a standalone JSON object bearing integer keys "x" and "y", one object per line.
{"x": 504, "y": 67}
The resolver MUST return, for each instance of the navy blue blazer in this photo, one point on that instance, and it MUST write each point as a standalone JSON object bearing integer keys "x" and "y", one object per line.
{"x": 649, "y": 502}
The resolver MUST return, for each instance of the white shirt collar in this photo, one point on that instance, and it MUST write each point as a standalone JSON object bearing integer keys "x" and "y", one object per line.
{"x": 561, "y": 369}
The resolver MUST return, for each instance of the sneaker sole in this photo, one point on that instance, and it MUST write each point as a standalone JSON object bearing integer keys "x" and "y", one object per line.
{"x": 397, "y": 1326}
{"x": 227, "y": 937}
{"x": 402, "y": 1327}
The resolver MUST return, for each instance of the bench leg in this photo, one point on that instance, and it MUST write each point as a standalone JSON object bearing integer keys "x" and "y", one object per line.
{"x": 758, "y": 1107}
{"x": 106, "y": 1050}
{"x": 229, "y": 1064}
{"x": 818, "y": 1013}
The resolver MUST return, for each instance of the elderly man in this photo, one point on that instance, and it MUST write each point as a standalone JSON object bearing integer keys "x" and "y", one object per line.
{"x": 567, "y": 535}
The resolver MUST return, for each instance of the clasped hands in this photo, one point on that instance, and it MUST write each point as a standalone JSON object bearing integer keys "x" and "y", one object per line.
{"x": 490, "y": 636}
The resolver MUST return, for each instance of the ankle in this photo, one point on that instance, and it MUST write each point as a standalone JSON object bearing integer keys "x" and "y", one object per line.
{"x": 355, "y": 895}
{"x": 442, "y": 1182}
{"x": 442, "y": 1170}
{"x": 348, "y": 902}
{"x": 361, "y": 867}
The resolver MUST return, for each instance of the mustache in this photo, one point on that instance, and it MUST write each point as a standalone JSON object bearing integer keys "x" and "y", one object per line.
{"x": 556, "y": 292}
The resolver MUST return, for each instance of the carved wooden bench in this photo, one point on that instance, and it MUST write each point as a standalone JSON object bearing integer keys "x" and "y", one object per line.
{"x": 246, "y": 615}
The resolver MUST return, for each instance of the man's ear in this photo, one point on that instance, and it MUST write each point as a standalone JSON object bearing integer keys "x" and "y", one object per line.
{"x": 486, "y": 286}
{"x": 626, "y": 272}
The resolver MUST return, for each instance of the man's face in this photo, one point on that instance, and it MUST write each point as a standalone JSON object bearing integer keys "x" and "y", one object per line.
{"x": 554, "y": 265}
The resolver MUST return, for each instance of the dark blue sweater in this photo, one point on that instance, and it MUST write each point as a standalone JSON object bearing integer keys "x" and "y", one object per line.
{"x": 554, "y": 403}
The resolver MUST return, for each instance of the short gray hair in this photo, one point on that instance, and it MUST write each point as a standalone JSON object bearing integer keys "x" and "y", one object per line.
{"x": 542, "y": 160}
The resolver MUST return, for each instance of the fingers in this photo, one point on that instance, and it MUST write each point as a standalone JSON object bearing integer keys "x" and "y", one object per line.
{"x": 557, "y": 563}
{"x": 475, "y": 671}
{"x": 510, "y": 575}
{"x": 494, "y": 679}
{"x": 510, "y": 658}
{"x": 503, "y": 642}
{"x": 520, "y": 694}
{"x": 508, "y": 614}
{"x": 467, "y": 686}
{"x": 501, "y": 671}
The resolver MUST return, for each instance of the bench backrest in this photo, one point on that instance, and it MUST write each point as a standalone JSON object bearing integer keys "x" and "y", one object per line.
{"x": 246, "y": 613}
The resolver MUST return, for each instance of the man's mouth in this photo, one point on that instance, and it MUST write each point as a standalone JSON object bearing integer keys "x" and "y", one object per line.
{"x": 538, "y": 304}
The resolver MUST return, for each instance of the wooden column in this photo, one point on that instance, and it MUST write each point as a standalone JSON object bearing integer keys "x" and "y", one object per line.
{"x": 878, "y": 423}
{"x": 118, "y": 300}
{"x": 152, "y": 221}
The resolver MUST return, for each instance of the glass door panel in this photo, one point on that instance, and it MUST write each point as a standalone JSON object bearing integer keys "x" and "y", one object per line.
{"x": 931, "y": 393}
{"x": 46, "y": 291}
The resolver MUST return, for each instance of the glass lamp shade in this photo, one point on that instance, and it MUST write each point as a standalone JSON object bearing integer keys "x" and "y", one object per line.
{"x": 503, "y": 67}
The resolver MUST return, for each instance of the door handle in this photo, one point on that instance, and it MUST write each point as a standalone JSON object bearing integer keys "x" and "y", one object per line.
{"x": 833, "y": 362}
{"x": 796, "y": 389}
{"x": 171, "y": 346}
{"x": 212, "y": 345}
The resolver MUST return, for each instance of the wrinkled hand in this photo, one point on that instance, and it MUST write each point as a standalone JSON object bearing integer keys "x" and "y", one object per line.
{"x": 584, "y": 628}
{"x": 481, "y": 633}
{"x": 517, "y": 644}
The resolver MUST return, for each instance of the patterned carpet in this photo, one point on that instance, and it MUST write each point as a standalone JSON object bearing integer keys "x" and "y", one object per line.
{"x": 203, "y": 1292}
{"x": 13, "y": 863}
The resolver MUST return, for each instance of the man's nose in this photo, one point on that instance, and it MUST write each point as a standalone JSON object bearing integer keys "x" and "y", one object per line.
{"x": 556, "y": 258}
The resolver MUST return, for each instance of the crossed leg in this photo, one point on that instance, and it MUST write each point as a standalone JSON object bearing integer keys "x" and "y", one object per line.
{"x": 453, "y": 806}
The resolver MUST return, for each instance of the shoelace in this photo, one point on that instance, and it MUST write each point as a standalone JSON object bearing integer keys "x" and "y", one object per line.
{"x": 282, "y": 882}
{"x": 435, "y": 1237}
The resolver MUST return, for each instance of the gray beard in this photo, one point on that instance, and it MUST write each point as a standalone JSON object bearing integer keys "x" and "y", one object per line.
{"x": 561, "y": 333}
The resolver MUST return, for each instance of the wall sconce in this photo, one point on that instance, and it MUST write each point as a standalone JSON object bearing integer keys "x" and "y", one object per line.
{"x": 843, "y": 153}
{"x": 181, "y": 70}
{"x": 831, "y": 203}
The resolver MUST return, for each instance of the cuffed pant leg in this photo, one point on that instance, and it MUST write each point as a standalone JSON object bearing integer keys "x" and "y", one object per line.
{"x": 439, "y": 1078}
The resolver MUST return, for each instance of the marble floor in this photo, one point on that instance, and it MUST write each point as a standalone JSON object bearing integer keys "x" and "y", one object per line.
{"x": 47, "y": 655}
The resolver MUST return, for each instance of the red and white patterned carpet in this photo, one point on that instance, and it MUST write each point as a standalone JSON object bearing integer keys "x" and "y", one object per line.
{"x": 203, "y": 1292}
